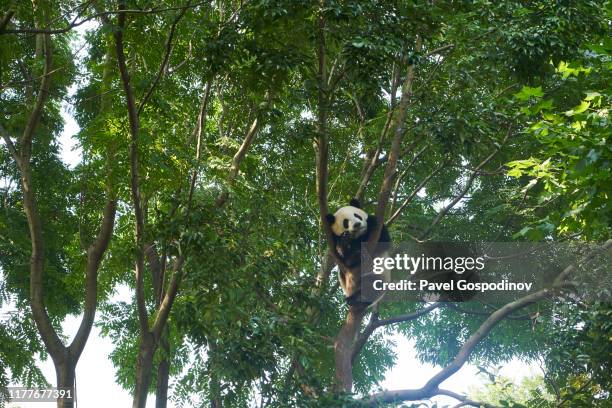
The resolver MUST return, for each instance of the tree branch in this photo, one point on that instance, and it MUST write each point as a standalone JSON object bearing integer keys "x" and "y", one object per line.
{"x": 414, "y": 192}
{"x": 10, "y": 146}
{"x": 321, "y": 143}
{"x": 134, "y": 177}
{"x": 400, "y": 178}
{"x": 164, "y": 64}
{"x": 375, "y": 323}
{"x": 439, "y": 50}
{"x": 102, "y": 14}
{"x": 374, "y": 159}
{"x": 94, "y": 256}
{"x": 473, "y": 174}
{"x": 166, "y": 304}
{"x": 431, "y": 387}
{"x": 52, "y": 341}
{"x": 98, "y": 247}
{"x": 391, "y": 168}
{"x": 41, "y": 97}
{"x": 236, "y": 161}
{"x": 155, "y": 266}
{"x": 465, "y": 401}
{"x": 460, "y": 309}
{"x": 197, "y": 133}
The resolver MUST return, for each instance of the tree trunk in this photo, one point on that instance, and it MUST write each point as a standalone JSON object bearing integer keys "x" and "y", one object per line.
{"x": 163, "y": 371}
{"x": 214, "y": 385}
{"x": 64, "y": 372}
{"x": 144, "y": 365}
{"x": 343, "y": 346}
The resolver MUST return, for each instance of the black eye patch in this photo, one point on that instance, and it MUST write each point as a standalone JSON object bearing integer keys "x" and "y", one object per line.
{"x": 358, "y": 217}
{"x": 345, "y": 223}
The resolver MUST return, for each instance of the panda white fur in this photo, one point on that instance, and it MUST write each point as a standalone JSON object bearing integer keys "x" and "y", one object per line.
{"x": 351, "y": 226}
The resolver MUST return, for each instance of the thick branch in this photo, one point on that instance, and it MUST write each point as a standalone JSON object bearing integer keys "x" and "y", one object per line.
{"x": 39, "y": 313}
{"x": 430, "y": 388}
{"x": 43, "y": 92}
{"x": 134, "y": 177}
{"x": 321, "y": 143}
{"x": 373, "y": 160}
{"x": 482, "y": 332}
{"x": 375, "y": 323}
{"x": 391, "y": 168}
{"x": 155, "y": 266}
{"x": 166, "y": 304}
{"x": 94, "y": 256}
{"x": 96, "y": 250}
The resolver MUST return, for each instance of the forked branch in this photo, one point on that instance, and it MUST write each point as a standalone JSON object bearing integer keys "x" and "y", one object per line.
{"x": 375, "y": 323}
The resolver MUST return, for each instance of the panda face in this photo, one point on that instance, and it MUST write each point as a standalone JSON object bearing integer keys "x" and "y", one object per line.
{"x": 350, "y": 222}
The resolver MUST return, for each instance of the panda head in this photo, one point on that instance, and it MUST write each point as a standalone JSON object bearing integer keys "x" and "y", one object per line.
{"x": 349, "y": 222}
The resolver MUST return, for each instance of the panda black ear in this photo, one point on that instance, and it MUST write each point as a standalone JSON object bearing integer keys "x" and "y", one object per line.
{"x": 330, "y": 218}
{"x": 355, "y": 203}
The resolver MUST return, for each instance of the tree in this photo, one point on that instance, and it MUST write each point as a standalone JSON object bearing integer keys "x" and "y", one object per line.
{"x": 41, "y": 52}
{"x": 225, "y": 132}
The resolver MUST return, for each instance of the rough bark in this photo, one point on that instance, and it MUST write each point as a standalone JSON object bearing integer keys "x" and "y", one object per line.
{"x": 346, "y": 336}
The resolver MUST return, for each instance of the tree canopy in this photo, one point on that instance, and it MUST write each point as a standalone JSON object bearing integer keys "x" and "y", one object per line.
{"x": 214, "y": 138}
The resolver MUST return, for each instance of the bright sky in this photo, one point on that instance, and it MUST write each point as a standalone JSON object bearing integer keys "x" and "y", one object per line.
{"x": 95, "y": 373}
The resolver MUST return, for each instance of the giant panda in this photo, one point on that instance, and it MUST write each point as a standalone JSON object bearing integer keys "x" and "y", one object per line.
{"x": 351, "y": 226}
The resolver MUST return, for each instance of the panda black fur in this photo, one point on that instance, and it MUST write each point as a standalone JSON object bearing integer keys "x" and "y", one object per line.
{"x": 351, "y": 226}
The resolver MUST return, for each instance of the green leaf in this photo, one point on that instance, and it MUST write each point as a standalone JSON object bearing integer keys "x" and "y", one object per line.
{"x": 584, "y": 105}
{"x": 592, "y": 95}
{"x": 528, "y": 92}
